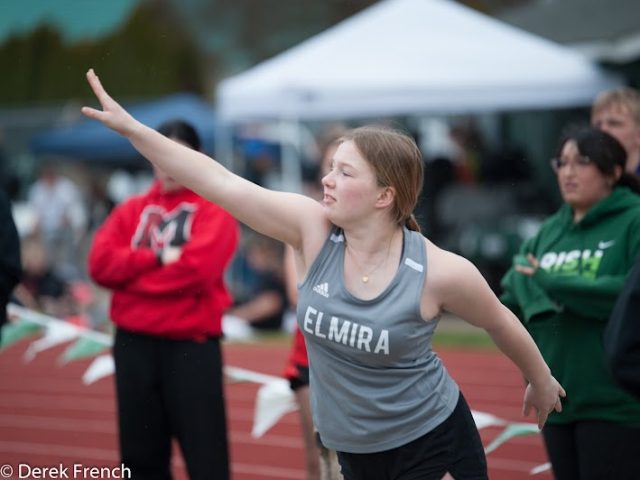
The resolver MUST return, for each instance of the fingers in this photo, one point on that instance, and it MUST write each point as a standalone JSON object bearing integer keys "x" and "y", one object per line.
{"x": 95, "y": 114}
{"x": 542, "y": 418}
{"x": 542, "y": 414}
{"x": 558, "y": 406}
{"x": 533, "y": 260}
{"x": 99, "y": 91}
{"x": 92, "y": 113}
{"x": 95, "y": 84}
{"x": 524, "y": 270}
{"x": 110, "y": 114}
{"x": 561, "y": 394}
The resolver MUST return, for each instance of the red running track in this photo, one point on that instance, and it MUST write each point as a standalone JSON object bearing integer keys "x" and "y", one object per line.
{"x": 48, "y": 417}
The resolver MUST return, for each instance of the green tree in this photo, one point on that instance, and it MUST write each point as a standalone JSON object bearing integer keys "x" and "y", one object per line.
{"x": 152, "y": 54}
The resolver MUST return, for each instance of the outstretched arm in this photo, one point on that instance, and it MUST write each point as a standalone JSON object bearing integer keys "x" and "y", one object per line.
{"x": 460, "y": 289}
{"x": 287, "y": 217}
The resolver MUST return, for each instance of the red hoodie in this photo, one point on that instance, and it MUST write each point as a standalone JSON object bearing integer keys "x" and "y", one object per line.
{"x": 181, "y": 300}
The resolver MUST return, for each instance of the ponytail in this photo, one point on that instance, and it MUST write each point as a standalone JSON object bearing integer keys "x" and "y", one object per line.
{"x": 411, "y": 223}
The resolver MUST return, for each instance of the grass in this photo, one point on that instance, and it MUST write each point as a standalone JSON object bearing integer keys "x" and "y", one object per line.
{"x": 471, "y": 338}
{"x": 463, "y": 339}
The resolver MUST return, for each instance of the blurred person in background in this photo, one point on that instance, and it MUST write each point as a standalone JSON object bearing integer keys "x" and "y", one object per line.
{"x": 563, "y": 286}
{"x": 469, "y": 151}
{"x": 41, "y": 288}
{"x": 164, "y": 254}
{"x": 61, "y": 217}
{"x": 261, "y": 299}
{"x": 617, "y": 112}
{"x": 10, "y": 260}
{"x": 622, "y": 335}
{"x": 380, "y": 396}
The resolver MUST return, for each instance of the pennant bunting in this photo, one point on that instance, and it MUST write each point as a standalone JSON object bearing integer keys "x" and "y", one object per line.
{"x": 512, "y": 430}
{"x": 540, "y": 469}
{"x": 15, "y": 331}
{"x": 273, "y": 400}
{"x": 55, "y": 333}
{"x": 82, "y": 348}
{"x": 101, "y": 367}
{"x": 237, "y": 374}
{"x": 483, "y": 420}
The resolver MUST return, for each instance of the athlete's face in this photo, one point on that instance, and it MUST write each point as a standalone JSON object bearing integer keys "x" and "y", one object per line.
{"x": 618, "y": 122}
{"x": 581, "y": 184}
{"x": 350, "y": 187}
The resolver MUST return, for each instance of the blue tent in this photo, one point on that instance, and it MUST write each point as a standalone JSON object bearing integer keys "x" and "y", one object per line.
{"x": 89, "y": 140}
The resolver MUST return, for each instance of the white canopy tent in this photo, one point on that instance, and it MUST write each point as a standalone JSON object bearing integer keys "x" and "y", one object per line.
{"x": 412, "y": 57}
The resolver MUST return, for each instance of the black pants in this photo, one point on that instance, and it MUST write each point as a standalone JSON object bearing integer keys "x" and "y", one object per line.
{"x": 170, "y": 389}
{"x": 593, "y": 450}
{"x": 454, "y": 446}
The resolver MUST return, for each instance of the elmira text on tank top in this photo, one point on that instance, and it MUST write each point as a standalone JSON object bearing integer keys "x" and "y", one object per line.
{"x": 375, "y": 382}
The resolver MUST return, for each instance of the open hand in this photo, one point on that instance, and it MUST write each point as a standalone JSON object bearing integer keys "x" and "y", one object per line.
{"x": 544, "y": 399}
{"x": 112, "y": 114}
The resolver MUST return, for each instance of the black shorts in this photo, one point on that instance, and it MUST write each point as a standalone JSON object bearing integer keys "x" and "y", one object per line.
{"x": 454, "y": 446}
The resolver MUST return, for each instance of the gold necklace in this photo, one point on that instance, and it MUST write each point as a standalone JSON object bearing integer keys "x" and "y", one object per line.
{"x": 365, "y": 276}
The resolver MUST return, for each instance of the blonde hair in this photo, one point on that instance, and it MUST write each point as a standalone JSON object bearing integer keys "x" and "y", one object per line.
{"x": 397, "y": 162}
{"x": 625, "y": 98}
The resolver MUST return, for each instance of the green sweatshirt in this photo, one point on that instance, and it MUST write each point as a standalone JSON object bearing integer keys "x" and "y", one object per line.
{"x": 565, "y": 305}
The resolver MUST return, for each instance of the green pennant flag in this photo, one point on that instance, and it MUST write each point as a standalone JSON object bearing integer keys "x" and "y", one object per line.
{"x": 82, "y": 348}
{"x": 15, "y": 331}
{"x": 512, "y": 430}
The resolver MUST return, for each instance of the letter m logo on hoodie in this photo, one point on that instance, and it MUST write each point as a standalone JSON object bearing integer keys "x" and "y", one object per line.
{"x": 158, "y": 228}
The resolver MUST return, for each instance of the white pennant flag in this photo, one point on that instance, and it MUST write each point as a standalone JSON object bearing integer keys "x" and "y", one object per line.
{"x": 274, "y": 400}
{"x": 540, "y": 469}
{"x": 483, "y": 419}
{"x": 55, "y": 333}
{"x": 101, "y": 367}
{"x": 512, "y": 430}
{"x": 239, "y": 374}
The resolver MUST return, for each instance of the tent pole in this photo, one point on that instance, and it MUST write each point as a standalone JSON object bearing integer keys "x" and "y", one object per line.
{"x": 224, "y": 144}
{"x": 290, "y": 141}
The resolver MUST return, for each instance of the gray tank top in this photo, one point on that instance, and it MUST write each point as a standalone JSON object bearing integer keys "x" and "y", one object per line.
{"x": 375, "y": 382}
